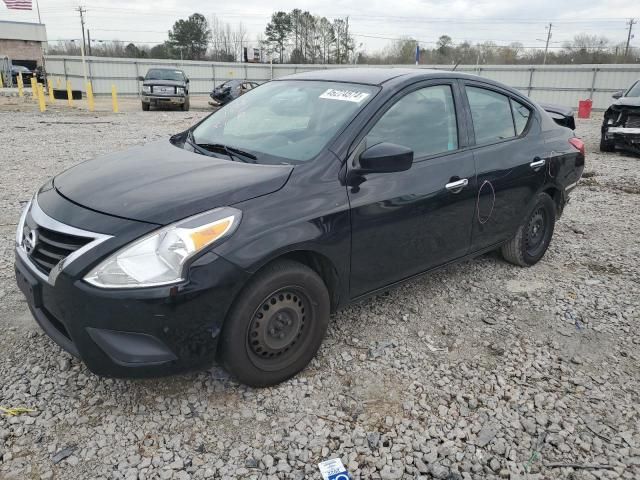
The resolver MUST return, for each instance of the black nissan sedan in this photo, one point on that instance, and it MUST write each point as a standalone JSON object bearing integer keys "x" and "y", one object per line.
{"x": 236, "y": 239}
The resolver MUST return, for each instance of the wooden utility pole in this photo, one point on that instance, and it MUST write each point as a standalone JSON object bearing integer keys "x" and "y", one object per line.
{"x": 546, "y": 48}
{"x": 631, "y": 23}
{"x": 82, "y": 11}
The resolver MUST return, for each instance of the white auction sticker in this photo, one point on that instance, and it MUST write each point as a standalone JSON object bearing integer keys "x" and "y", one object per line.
{"x": 333, "y": 470}
{"x": 344, "y": 95}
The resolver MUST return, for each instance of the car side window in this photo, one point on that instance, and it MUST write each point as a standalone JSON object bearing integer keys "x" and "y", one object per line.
{"x": 521, "y": 114}
{"x": 423, "y": 120}
{"x": 491, "y": 114}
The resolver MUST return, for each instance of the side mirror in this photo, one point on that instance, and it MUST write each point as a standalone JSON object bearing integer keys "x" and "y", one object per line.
{"x": 140, "y": 78}
{"x": 385, "y": 158}
{"x": 618, "y": 95}
{"x": 187, "y": 80}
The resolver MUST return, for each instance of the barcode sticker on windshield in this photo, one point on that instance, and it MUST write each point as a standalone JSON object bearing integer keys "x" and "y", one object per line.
{"x": 344, "y": 95}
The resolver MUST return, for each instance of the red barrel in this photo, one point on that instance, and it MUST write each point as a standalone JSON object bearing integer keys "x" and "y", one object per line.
{"x": 584, "y": 108}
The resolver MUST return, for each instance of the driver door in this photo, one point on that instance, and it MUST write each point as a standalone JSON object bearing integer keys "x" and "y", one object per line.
{"x": 407, "y": 222}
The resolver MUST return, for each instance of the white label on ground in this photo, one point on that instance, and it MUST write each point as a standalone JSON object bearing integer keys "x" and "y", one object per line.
{"x": 333, "y": 470}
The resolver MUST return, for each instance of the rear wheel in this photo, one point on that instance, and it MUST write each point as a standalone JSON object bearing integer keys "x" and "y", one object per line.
{"x": 533, "y": 236}
{"x": 276, "y": 325}
{"x": 606, "y": 146}
{"x": 146, "y": 106}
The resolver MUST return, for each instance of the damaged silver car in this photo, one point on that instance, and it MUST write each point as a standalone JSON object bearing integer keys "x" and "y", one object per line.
{"x": 621, "y": 125}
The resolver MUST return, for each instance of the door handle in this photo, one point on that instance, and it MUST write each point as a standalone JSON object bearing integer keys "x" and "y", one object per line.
{"x": 457, "y": 186}
{"x": 537, "y": 163}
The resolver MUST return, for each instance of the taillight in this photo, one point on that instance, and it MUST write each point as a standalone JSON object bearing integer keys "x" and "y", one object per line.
{"x": 577, "y": 144}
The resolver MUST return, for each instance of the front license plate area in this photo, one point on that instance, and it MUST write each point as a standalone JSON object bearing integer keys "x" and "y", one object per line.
{"x": 30, "y": 287}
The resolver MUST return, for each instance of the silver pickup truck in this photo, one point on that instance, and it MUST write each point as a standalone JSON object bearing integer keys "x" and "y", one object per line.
{"x": 164, "y": 87}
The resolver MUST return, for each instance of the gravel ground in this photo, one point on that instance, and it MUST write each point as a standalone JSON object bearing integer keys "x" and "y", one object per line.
{"x": 481, "y": 370}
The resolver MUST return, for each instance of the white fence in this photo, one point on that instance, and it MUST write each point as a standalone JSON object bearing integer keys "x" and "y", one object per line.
{"x": 561, "y": 84}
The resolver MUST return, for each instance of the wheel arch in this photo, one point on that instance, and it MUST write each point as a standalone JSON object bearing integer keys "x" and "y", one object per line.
{"x": 557, "y": 195}
{"x": 319, "y": 263}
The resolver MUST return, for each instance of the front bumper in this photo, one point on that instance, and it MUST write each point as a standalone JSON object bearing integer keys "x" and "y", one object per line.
{"x": 627, "y": 139}
{"x": 156, "y": 100}
{"x": 133, "y": 332}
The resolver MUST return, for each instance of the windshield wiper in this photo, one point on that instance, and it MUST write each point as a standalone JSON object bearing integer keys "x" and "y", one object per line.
{"x": 232, "y": 152}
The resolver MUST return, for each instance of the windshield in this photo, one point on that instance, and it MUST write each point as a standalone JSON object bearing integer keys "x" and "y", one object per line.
{"x": 287, "y": 121}
{"x": 20, "y": 68}
{"x": 162, "y": 74}
{"x": 634, "y": 91}
{"x": 230, "y": 83}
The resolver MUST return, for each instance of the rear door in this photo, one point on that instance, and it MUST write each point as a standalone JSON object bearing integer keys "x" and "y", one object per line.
{"x": 510, "y": 158}
{"x": 407, "y": 222}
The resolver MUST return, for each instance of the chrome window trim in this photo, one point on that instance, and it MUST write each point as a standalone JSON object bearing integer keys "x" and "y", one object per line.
{"x": 44, "y": 220}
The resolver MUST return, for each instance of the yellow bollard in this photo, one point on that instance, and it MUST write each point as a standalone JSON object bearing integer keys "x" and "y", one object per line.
{"x": 34, "y": 89}
{"x": 114, "y": 98}
{"x": 58, "y": 83}
{"x": 20, "y": 85}
{"x": 1, "y": 82}
{"x": 69, "y": 94}
{"x": 51, "y": 97}
{"x": 40, "y": 90}
{"x": 92, "y": 105}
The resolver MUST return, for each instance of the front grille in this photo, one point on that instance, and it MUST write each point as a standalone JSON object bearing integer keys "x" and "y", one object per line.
{"x": 633, "y": 121}
{"x": 163, "y": 90}
{"x": 50, "y": 246}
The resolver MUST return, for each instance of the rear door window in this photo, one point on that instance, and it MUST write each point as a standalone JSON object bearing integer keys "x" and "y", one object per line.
{"x": 491, "y": 114}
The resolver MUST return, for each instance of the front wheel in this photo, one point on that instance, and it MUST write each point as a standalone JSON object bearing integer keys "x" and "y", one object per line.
{"x": 533, "y": 236}
{"x": 186, "y": 105}
{"x": 146, "y": 106}
{"x": 276, "y": 325}
{"x": 606, "y": 146}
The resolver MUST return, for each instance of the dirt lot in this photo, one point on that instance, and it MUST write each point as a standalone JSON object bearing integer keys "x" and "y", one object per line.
{"x": 481, "y": 370}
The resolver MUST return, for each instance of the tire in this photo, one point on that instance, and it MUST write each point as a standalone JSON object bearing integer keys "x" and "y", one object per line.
{"x": 606, "y": 146}
{"x": 146, "y": 107}
{"x": 186, "y": 105}
{"x": 276, "y": 324}
{"x": 533, "y": 236}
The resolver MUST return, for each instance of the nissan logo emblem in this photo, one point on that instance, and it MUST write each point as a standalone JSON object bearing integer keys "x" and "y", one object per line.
{"x": 30, "y": 241}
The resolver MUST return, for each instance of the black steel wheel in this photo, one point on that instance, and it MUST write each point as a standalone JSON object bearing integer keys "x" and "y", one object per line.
{"x": 534, "y": 234}
{"x": 278, "y": 328}
{"x": 276, "y": 324}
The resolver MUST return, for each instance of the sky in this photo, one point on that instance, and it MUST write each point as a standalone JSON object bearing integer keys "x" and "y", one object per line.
{"x": 373, "y": 22}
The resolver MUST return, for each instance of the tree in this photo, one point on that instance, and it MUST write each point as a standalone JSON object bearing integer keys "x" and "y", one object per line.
{"x": 163, "y": 50}
{"x": 326, "y": 38}
{"x": 444, "y": 42}
{"x": 191, "y": 36}
{"x": 277, "y": 32}
{"x": 132, "y": 51}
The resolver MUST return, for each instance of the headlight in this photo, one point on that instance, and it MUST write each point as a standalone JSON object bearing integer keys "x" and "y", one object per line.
{"x": 159, "y": 258}
{"x": 179, "y": 90}
{"x": 146, "y": 88}
{"x": 23, "y": 217}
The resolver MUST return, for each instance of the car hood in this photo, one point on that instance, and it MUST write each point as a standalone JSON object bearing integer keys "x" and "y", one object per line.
{"x": 161, "y": 183}
{"x": 627, "y": 102}
{"x": 164, "y": 82}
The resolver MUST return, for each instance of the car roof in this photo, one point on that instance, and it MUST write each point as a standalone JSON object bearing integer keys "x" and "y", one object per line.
{"x": 373, "y": 75}
{"x": 166, "y": 68}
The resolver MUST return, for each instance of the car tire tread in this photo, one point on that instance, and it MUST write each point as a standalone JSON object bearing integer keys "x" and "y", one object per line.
{"x": 514, "y": 251}
{"x": 232, "y": 348}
